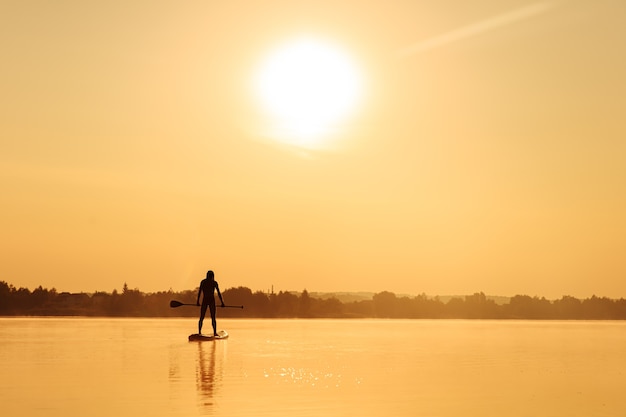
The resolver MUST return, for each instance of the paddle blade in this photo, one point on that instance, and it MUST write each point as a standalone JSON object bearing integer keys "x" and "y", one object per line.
{"x": 175, "y": 304}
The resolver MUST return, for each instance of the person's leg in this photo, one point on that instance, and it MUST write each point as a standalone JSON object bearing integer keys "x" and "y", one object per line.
{"x": 213, "y": 321}
{"x": 202, "y": 314}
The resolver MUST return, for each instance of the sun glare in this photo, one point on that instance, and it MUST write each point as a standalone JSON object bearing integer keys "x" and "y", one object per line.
{"x": 308, "y": 87}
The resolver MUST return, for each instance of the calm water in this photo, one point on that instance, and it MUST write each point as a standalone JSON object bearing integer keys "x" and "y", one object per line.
{"x": 146, "y": 367}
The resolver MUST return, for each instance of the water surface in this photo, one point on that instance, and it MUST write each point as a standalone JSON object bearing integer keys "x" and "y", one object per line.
{"x": 130, "y": 367}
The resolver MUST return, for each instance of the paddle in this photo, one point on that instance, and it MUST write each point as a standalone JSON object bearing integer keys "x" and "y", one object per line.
{"x": 175, "y": 304}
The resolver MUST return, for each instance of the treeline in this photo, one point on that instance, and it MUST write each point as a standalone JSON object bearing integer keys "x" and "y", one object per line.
{"x": 134, "y": 303}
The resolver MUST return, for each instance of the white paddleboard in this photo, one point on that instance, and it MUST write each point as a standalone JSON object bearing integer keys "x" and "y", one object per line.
{"x": 222, "y": 334}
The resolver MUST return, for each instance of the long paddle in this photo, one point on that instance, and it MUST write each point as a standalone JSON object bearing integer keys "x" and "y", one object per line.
{"x": 175, "y": 304}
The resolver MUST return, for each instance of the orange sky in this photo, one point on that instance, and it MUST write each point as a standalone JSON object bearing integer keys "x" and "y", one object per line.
{"x": 487, "y": 151}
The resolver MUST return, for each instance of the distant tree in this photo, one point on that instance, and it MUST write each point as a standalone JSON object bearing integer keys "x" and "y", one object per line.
{"x": 385, "y": 304}
{"x": 238, "y": 295}
{"x": 455, "y": 309}
{"x": 568, "y": 308}
{"x": 42, "y": 298}
{"x": 478, "y": 307}
{"x": 132, "y": 302}
{"x": 156, "y": 304}
{"x": 405, "y": 308}
{"x": 6, "y": 296}
{"x": 596, "y": 308}
{"x": 286, "y": 304}
{"x": 304, "y": 308}
{"x": 22, "y": 300}
{"x": 260, "y": 306}
{"x": 433, "y": 308}
{"x": 362, "y": 308}
{"x": 620, "y": 309}
{"x": 330, "y": 307}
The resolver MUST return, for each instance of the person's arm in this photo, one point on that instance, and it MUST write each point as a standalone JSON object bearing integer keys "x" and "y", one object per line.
{"x": 199, "y": 292}
{"x": 219, "y": 294}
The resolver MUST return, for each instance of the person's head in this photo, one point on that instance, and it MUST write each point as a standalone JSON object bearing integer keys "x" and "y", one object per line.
{"x": 210, "y": 275}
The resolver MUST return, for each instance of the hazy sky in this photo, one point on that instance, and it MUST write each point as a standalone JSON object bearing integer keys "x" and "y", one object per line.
{"x": 486, "y": 150}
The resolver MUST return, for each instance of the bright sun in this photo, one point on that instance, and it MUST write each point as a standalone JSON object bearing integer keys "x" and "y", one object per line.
{"x": 308, "y": 87}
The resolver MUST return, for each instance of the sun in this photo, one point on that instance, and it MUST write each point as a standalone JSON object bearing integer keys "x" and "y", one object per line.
{"x": 307, "y": 87}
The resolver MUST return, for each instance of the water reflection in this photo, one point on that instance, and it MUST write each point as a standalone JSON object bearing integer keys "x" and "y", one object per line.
{"x": 209, "y": 370}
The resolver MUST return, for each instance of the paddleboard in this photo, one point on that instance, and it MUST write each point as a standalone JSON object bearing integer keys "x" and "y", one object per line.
{"x": 222, "y": 334}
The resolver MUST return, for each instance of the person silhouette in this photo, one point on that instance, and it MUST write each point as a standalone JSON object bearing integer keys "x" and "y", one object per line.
{"x": 208, "y": 287}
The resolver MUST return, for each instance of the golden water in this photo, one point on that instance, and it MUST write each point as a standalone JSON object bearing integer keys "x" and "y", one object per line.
{"x": 146, "y": 367}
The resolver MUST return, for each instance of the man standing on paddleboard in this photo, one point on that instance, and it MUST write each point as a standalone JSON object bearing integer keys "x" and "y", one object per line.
{"x": 208, "y": 287}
